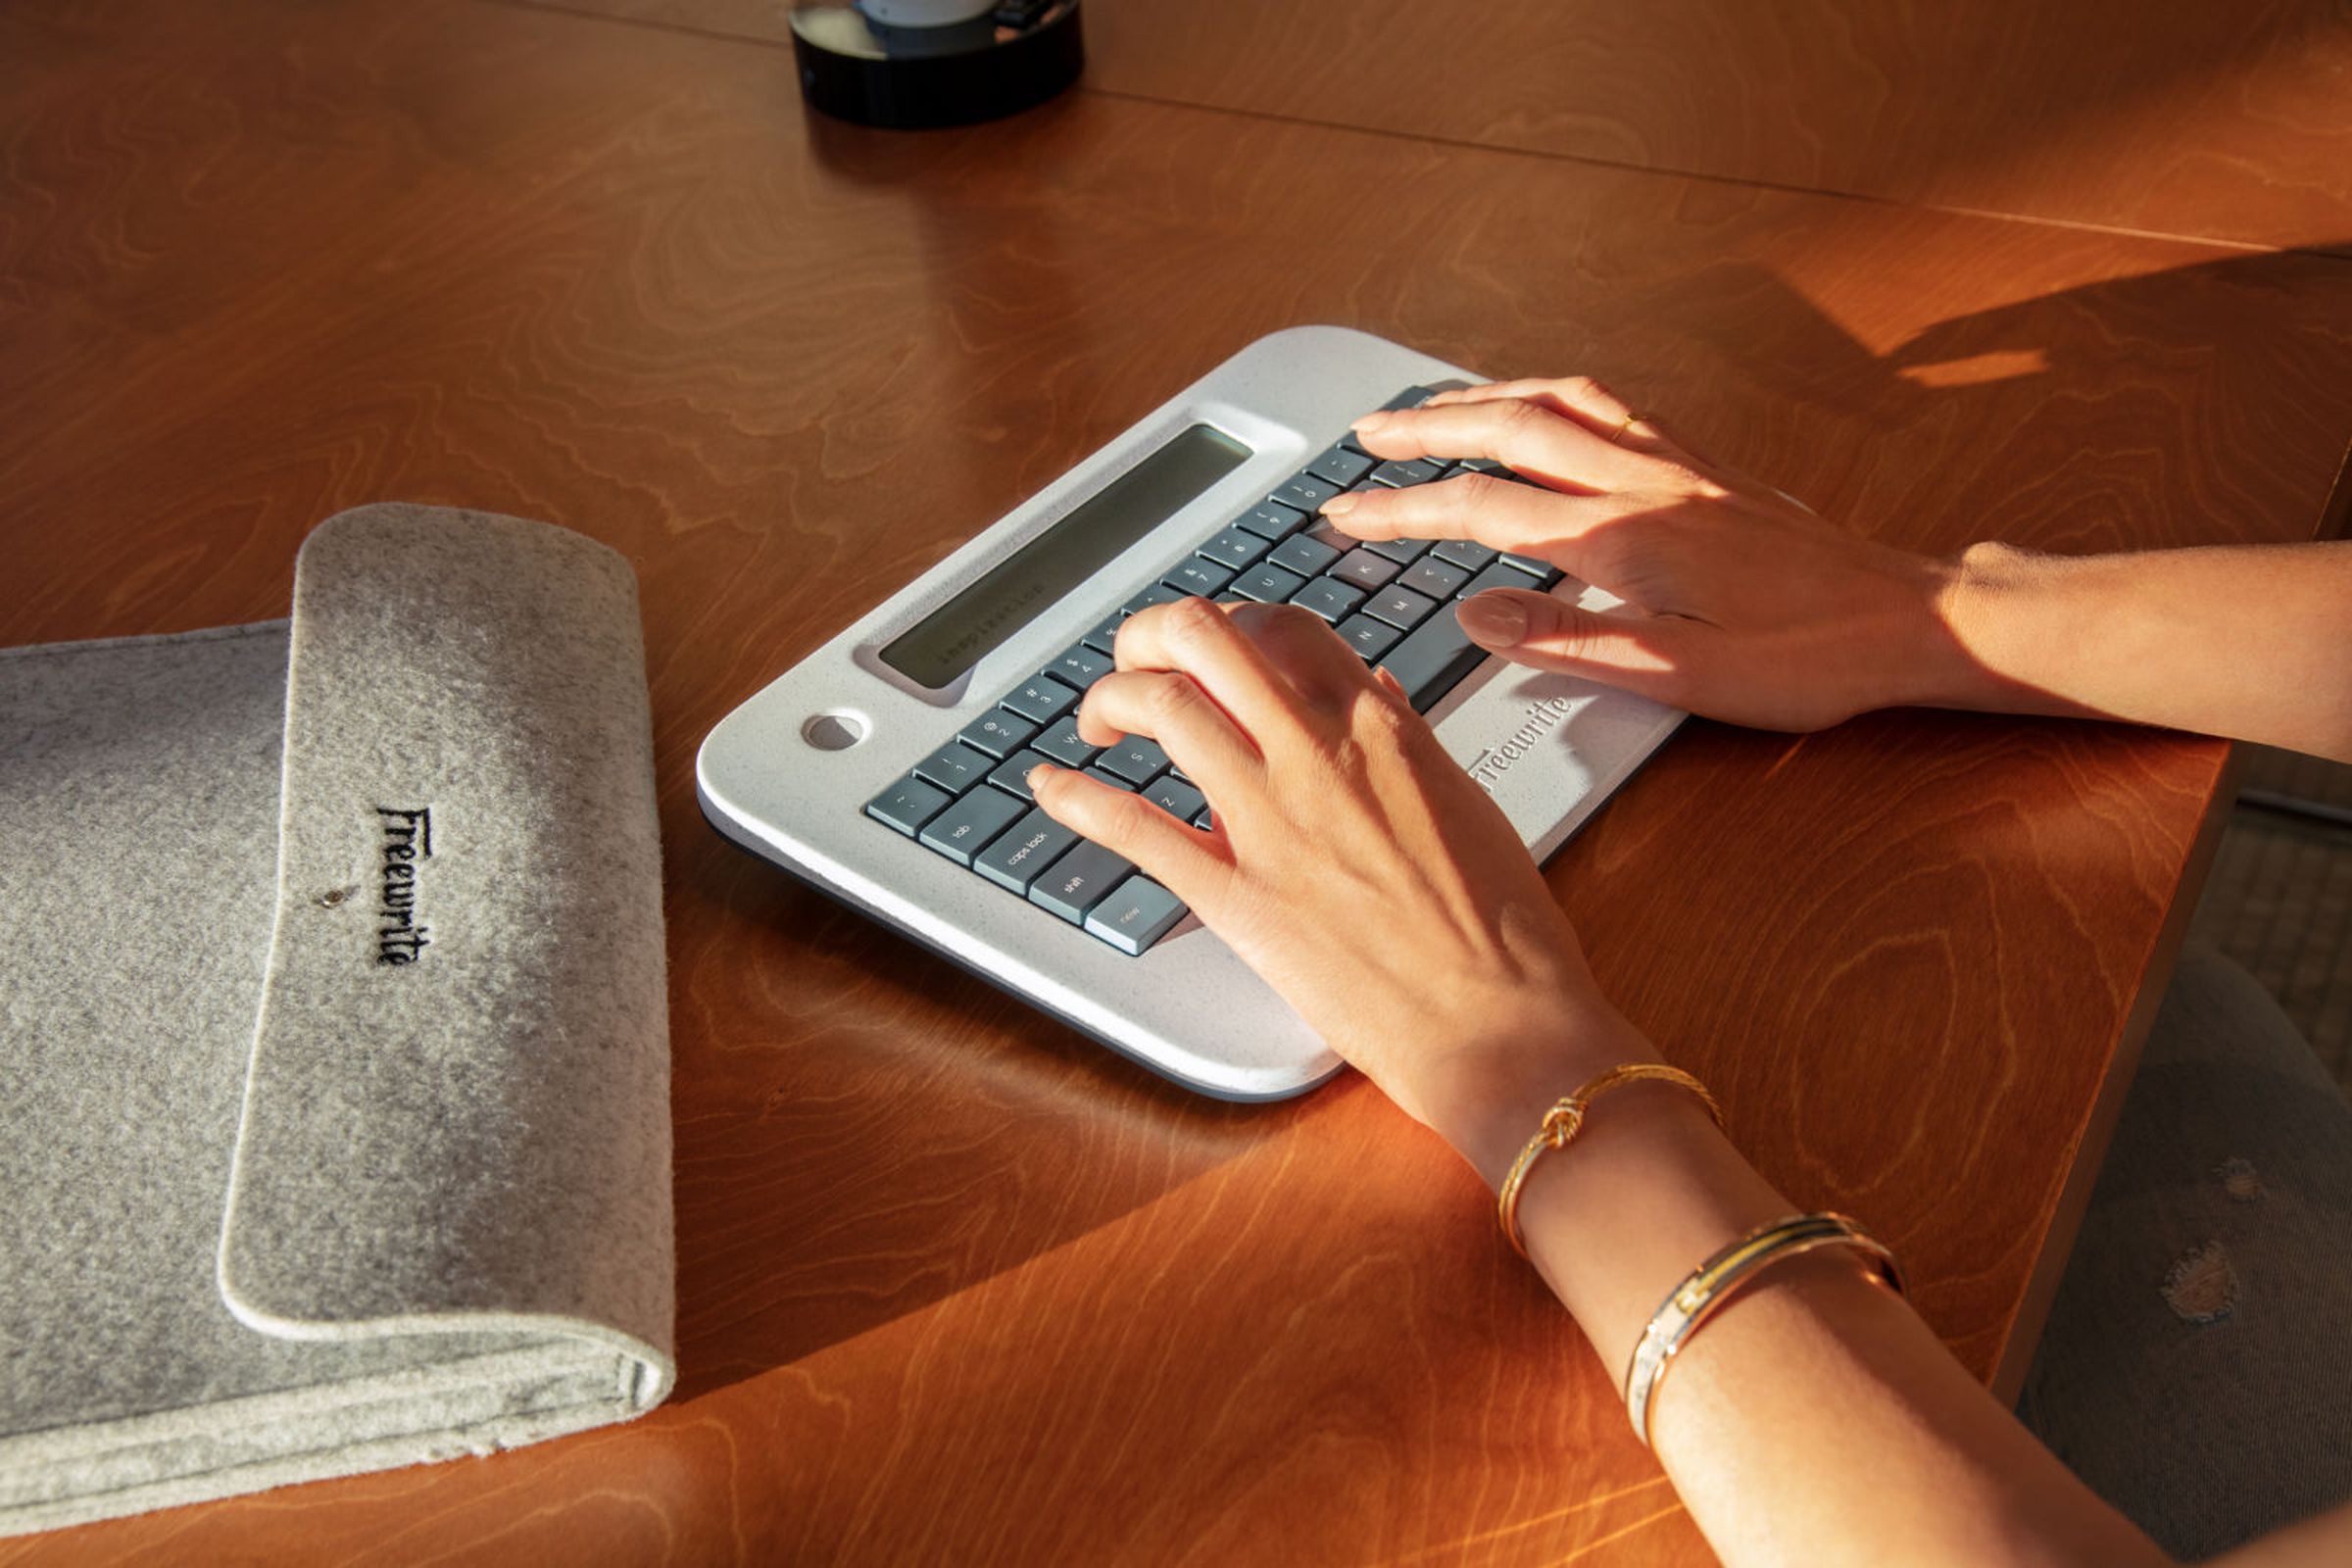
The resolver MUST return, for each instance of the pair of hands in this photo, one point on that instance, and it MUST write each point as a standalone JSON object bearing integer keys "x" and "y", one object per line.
{"x": 1353, "y": 864}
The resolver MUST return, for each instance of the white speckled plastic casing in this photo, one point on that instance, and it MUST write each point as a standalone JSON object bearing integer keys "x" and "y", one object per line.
{"x": 1548, "y": 748}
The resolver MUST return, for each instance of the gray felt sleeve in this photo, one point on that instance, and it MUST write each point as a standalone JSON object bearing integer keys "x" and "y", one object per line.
{"x": 412, "y": 834}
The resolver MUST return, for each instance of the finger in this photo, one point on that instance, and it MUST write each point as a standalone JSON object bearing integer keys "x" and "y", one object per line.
{"x": 1188, "y": 863}
{"x": 1495, "y": 513}
{"x": 1301, "y": 645}
{"x": 1198, "y": 638}
{"x": 1169, "y": 707}
{"x": 1589, "y": 402}
{"x": 1650, "y": 655}
{"x": 1520, "y": 434}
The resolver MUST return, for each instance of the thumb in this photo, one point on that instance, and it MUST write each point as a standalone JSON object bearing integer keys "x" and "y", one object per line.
{"x": 1617, "y": 648}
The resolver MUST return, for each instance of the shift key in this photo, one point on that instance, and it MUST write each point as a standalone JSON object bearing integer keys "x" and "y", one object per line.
{"x": 1079, "y": 880}
{"x": 1138, "y": 914}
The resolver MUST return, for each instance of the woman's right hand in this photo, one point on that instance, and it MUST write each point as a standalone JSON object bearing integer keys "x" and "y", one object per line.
{"x": 1740, "y": 604}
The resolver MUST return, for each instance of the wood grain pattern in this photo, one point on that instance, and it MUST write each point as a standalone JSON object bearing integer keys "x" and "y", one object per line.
{"x": 956, "y": 1285}
{"x": 2229, "y": 122}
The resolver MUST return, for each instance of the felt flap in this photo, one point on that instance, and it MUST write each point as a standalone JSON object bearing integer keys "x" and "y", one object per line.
{"x": 456, "y": 1111}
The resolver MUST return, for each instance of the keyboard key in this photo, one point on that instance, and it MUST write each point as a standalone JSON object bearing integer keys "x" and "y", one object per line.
{"x": 1268, "y": 585}
{"x": 1175, "y": 797}
{"x": 1060, "y": 744}
{"x": 1306, "y": 492}
{"x": 1329, "y": 598}
{"x": 1327, "y": 533}
{"x": 1341, "y": 467}
{"x": 1544, "y": 571}
{"x": 1405, "y": 472}
{"x": 1302, "y": 555}
{"x": 1042, "y": 700}
{"x": 1134, "y": 759}
{"x": 1197, "y": 574}
{"x": 1205, "y": 820}
{"x": 1368, "y": 637}
{"x": 1012, "y": 776}
{"x": 1400, "y": 608}
{"x": 998, "y": 733}
{"x": 1157, "y": 593}
{"x": 907, "y": 805}
{"x": 1021, "y": 855}
{"x": 1080, "y": 667}
{"x": 1104, "y": 633}
{"x": 1235, "y": 547}
{"x": 1138, "y": 914}
{"x": 1412, "y": 397}
{"x": 1271, "y": 519}
{"x": 965, "y": 828}
{"x": 1463, "y": 553}
{"x": 1483, "y": 466}
{"x": 1434, "y": 577}
{"x": 1078, "y": 881}
{"x": 1363, "y": 569}
{"x": 955, "y": 768}
{"x": 1432, "y": 659}
{"x": 1403, "y": 552}
{"x": 1123, "y": 786}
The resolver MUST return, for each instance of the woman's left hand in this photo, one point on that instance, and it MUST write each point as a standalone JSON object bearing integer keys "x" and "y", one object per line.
{"x": 1353, "y": 864}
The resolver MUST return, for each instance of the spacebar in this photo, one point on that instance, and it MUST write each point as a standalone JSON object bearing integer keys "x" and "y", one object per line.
{"x": 1433, "y": 659}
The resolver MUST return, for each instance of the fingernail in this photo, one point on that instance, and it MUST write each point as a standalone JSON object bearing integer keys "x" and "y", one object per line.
{"x": 1369, "y": 423}
{"x": 1340, "y": 506}
{"x": 1031, "y": 777}
{"x": 1494, "y": 620}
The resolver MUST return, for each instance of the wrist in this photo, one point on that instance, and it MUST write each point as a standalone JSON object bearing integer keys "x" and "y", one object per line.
{"x": 1491, "y": 1094}
{"x": 1995, "y": 608}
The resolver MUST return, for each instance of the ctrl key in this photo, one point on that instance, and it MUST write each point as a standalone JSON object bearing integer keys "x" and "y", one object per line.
{"x": 1138, "y": 914}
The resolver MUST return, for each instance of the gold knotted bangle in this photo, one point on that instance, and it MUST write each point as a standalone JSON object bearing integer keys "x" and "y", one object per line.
{"x": 1714, "y": 1283}
{"x": 1564, "y": 1120}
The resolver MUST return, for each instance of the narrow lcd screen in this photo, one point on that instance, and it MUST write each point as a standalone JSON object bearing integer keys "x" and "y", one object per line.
{"x": 955, "y": 636}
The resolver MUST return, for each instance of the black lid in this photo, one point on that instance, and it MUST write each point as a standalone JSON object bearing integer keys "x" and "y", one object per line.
{"x": 913, "y": 78}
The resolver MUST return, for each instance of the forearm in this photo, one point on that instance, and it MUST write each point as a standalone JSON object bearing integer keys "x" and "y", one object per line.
{"x": 1816, "y": 1419}
{"x": 2250, "y": 642}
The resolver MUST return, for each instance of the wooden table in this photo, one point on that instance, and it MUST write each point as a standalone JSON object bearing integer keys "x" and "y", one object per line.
{"x": 955, "y": 1284}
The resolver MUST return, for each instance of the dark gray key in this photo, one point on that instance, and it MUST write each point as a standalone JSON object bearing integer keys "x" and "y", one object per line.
{"x": 1328, "y": 534}
{"x": 1329, "y": 598}
{"x": 1365, "y": 569}
{"x": 1160, "y": 593}
{"x": 1042, "y": 699}
{"x": 907, "y": 805}
{"x": 1483, "y": 466}
{"x": 1268, "y": 585}
{"x": 1205, "y": 820}
{"x": 1368, "y": 637}
{"x": 1497, "y": 575}
{"x": 1400, "y": 608}
{"x": 1302, "y": 555}
{"x": 1341, "y": 467}
{"x": 1112, "y": 779}
{"x": 1105, "y": 632}
{"x": 1135, "y": 917}
{"x": 965, "y": 828}
{"x": 1012, "y": 776}
{"x": 1304, "y": 491}
{"x": 955, "y": 768}
{"x": 1079, "y": 880}
{"x": 1434, "y": 577}
{"x": 1134, "y": 759}
{"x": 1060, "y": 743}
{"x": 1432, "y": 659}
{"x": 1021, "y": 854}
{"x": 1235, "y": 547}
{"x": 1403, "y": 552}
{"x": 1544, "y": 571}
{"x": 1412, "y": 397}
{"x": 1405, "y": 471}
{"x": 1079, "y": 665}
{"x": 998, "y": 733}
{"x": 1197, "y": 574}
{"x": 1271, "y": 519}
{"x": 1175, "y": 797}
{"x": 1463, "y": 553}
